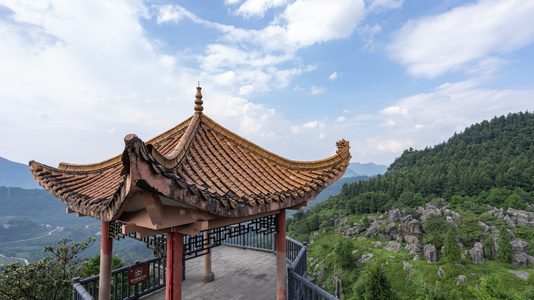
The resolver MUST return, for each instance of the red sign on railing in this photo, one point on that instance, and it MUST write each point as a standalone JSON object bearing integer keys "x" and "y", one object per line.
{"x": 137, "y": 274}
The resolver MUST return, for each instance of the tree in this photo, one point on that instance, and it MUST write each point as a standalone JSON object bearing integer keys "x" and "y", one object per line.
{"x": 492, "y": 287}
{"x": 48, "y": 278}
{"x": 373, "y": 284}
{"x": 505, "y": 252}
{"x": 343, "y": 252}
{"x": 92, "y": 266}
{"x": 452, "y": 252}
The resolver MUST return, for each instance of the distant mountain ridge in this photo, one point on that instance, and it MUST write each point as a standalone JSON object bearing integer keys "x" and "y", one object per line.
{"x": 368, "y": 169}
{"x": 14, "y": 174}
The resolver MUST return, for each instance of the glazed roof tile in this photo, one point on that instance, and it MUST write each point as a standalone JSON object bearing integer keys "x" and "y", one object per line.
{"x": 197, "y": 163}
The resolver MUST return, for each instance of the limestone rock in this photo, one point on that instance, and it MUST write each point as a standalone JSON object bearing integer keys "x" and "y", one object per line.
{"x": 477, "y": 253}
{"x": 417, "y": 257}
{"x": 339, "y": 288}
{"x": 360, "y": 262}
{"x": 393, "y": 246}
{"x": 406, "y": 265}
{"x": 394, "y": 215}
{"x": 429, "y": 209}
{"x": 414, "y": 226}
{"x": 431, "y": 253}
{"x": 484, "y": 227}
{"x": 520, "y": 274}
{"x": 521, "y": 217}
{"x": 509, "y": 223}
{"x": 441, "y": 272}
{"x": 461, "y": 279}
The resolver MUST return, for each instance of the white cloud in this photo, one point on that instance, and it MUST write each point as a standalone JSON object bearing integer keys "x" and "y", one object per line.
{"x": 316, "y": 90}
{"x": 333, "y": 76}
{"x": 368, "y": 34}
{"x": 341, "y": 119}
{"x": 258, "y": 8}
{"x": 463, "y": 36}
{"x": 338, "y": 19}
{"x": 390, "y": 146}
{"x": 170, "y": 13}
{"x": 378, "y": 5}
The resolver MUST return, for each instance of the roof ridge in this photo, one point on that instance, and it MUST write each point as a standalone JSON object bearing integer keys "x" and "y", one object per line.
{"x": 341, "y": 154}
{"x": 171, "y": 160}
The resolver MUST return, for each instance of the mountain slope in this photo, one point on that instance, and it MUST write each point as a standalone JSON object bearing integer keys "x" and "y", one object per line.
{"x": 16, "y": 175}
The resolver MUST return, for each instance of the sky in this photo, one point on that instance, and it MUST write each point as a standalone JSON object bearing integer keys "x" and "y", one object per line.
{"x": 292, "y": 76}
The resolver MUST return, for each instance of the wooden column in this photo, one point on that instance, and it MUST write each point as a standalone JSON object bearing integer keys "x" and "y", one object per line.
{"x": 175, "y": 250}
{"x": 208, "y": 275}
{"x": 106, "y": 250}
{"x": 281, "y": 267}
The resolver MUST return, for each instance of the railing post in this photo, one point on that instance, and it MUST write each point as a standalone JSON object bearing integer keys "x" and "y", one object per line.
{"x": 136, "y": 287}
{"x": 74, "y": 292}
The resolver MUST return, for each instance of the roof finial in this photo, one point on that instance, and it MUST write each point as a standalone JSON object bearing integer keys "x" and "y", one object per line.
{"x": 198, "y": 101}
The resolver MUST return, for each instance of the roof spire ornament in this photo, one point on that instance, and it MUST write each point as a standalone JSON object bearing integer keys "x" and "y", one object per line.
{"x": 198, "y": 101}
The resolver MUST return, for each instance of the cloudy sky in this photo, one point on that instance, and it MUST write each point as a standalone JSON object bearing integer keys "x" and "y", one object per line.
{"x": 293, "y": 76}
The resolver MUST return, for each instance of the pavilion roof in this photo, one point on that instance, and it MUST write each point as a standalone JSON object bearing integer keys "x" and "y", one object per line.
{"x": 197, "y": 164}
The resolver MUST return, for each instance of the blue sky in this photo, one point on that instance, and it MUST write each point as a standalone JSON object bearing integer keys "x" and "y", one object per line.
{"x": 293, "y": 76}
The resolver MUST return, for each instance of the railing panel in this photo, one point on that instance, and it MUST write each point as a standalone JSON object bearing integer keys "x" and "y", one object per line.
{"x": 119, "y": 283}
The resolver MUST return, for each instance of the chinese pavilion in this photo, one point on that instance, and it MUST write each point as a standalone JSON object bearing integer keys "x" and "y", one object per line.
{"x": 195, "y": 179}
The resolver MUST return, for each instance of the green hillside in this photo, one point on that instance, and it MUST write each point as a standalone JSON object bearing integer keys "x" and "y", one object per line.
{"x": 466, "y": 203}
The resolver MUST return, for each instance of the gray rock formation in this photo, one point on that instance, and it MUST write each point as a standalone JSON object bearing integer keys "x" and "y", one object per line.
{"x": 477, "y": 253}
{"x": 406, "y": 265}
{"x": 429, "y": 209}
{"x": 394, "y": 215}
{"x": 414, "y": 226}
{"x": 521, "y": 217}
{"x": 430, "y": 253}
{"x": 520, "y": 274}
{"x": 461, "y": 279}
{"x": 441, "y": 272}
{"x": 393, "y": 246}
{"x": 338, "y": 292}
{"x": 417, "y": 257}
{"x": 350, "y": 231}
{"x": 509, "y": 223}
{"x": 360, "y": 262}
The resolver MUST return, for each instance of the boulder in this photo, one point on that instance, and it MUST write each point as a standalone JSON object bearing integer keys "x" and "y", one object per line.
{"x": 416, "y": 247}
{"x": 429, "y": 209}
{"x": 484, "y": 227}
{"x": 430, "y": 253}
{"x": 417, "y": 257}
{"x": 373, "y": 229}
{"x": 441, "y": 272}
{"x": 341, "y": 219}
{"x": 509, "y": 223}
{"x": 477, "y": 253}
{"x": 393, "y": 246}
{"x": 338, "y": 292}
{"x": 350, "y": 231}
{"x": 406, "y": 265}
{"x": 497, "y": 212}
{"x": 360, "y": 262}
{"x": 521, "y": 217}
{"x": 391, "y": 228}
{"x": 406, "y": 219}
{"x": 520, "y": 274}
{"x": 414, "y": 226}
{"x": 461, "y": 279}
{"x": 519, "y": 260}
{"x": 394, "y": 215}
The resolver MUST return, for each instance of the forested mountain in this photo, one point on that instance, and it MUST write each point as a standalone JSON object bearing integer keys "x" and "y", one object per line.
{"x": 496, "y": 154}
{"x": 453, "y": 221}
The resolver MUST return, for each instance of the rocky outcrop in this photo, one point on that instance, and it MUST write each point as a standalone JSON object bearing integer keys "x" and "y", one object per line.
{"x": 521, "y": 258}
{"x": 428, "y": 210}
{"x": 338, "y": 292}
{"x": 394, "y": 215}
{"x": 360, "y": 262}
{"x": 484, "y": 227}
{"x": 350, "y": 231}
{"x": 417, "y": 257}
{"x": 461, "y": 279}
{"x": 414, "y": 226}
{"x": 521, "y": 217}
{"x": 509, "y": 223}
{"x": 441, "y": 272}
{"x": 373, "y": 229}
{"x": 499, "y": 213}
{"x": 406, "y": 265}
{"x": 393, "y": 246}
{"x": 477, "y": 253}
{"x": 430, "y": 253}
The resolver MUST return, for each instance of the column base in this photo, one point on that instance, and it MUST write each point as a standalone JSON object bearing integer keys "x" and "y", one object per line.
{"x": 208, "y": 278}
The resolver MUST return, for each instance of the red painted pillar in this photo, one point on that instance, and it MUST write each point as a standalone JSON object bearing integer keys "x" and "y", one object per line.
{"x": 106, "y": 251}
{"x": 281, "y": 267}
{"x": 175, "y": 249}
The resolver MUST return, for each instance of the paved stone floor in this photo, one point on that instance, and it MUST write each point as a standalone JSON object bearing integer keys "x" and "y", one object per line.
{"x": 239, "y": 275}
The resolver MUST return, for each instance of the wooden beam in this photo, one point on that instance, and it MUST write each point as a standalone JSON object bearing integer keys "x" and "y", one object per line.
{"x": 192, "y": 229}
{"x": 153, "y": 206}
